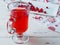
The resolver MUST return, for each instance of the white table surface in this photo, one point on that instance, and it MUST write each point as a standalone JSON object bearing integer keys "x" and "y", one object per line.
{"x": 32, "y": 41}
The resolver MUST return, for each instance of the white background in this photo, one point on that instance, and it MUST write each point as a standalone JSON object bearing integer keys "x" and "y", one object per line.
{"x": 54, "y": 38}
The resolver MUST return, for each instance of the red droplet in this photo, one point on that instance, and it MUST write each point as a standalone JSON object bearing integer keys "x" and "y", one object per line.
{"x": 47, "y": 7}
{"x": 45, "y": 12}
{"x": 51, "y": 28}
{"x": 40, "y": 10}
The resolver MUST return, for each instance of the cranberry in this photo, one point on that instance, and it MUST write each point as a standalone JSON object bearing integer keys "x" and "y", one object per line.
{"x": 45, "y": 12}
{"x": 40, "y": 10}
{"x": 37, "y": 9}
{"x": 51, "y": 28}
{"x": 32, "y": 8}
{"x": 47, "y": 7}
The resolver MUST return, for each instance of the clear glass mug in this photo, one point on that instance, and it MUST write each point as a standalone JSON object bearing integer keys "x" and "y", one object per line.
{"x": 18, "y": 21}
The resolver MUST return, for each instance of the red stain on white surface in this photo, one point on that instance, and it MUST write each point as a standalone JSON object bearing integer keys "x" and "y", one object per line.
{"x": 38, "y": 17}
{"x": 51, "y": 28}
{"x": 52, "y": 20}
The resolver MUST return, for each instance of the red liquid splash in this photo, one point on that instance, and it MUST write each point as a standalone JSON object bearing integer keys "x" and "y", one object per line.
{"x": 21, "y": 20}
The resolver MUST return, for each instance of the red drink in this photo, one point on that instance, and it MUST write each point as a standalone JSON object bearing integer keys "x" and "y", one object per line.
{"x": 21, "y": 20}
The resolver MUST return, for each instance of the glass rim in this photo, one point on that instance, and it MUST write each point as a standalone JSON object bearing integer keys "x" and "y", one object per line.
{"x": 17, "y": 2}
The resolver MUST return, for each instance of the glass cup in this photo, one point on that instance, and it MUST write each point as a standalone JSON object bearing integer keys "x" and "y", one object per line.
{"x": 18, "y": 21}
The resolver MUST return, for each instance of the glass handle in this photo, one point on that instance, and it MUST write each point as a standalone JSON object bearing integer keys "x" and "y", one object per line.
{"x": 9, "y": 28}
